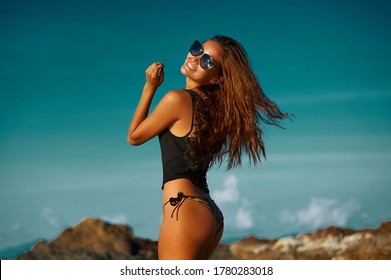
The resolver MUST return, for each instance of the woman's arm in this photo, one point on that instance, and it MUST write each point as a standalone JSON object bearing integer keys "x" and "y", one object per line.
{"x": 143, "y": 127}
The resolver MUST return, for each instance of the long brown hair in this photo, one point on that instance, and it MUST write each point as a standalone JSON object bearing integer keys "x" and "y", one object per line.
{"x": 229, "y": 116}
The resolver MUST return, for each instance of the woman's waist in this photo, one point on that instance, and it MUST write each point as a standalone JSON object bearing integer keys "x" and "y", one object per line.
{"x": 171, "y": 189}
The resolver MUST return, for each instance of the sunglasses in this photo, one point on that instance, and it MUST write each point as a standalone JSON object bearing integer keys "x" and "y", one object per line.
{"x": 206, "y": 61}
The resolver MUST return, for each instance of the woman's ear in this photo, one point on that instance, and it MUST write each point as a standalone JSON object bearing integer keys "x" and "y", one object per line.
{"x": 217, "y": 80}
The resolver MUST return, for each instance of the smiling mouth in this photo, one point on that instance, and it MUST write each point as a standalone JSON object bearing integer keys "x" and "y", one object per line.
{"x": 190, "y": 66}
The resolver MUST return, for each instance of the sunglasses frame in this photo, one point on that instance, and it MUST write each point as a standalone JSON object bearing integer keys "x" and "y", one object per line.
{"x": 206, "y": 61}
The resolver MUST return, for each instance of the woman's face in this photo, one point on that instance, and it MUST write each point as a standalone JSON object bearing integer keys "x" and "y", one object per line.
{"x": 192, "y": 69}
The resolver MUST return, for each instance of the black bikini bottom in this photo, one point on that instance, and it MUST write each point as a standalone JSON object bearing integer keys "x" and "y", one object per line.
{"x": 180, "y": 199}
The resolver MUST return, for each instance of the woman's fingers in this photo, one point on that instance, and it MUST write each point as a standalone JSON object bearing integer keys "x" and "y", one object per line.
{"x": 155, "y": 74}
{"x": 161, "y": 74}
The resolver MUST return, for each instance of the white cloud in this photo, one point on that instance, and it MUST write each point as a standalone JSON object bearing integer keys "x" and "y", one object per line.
{"x": 238, "y": 206}
{"x": 322, "y": 212}
{"x": 47, "y": 215}
{"x": 244, "y": 218}
{"x": 117, "y": 219}
{"x": 229, "y": 193}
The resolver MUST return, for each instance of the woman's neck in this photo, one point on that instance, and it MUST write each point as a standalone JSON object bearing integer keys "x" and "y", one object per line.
{"x": 190, "y": 84}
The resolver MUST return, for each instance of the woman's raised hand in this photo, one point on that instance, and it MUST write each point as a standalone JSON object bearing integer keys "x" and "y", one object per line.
{"x": 155, "y": 75}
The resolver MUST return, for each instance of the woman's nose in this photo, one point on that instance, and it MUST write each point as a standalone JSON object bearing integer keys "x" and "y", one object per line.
{"x": 195, "y": 59}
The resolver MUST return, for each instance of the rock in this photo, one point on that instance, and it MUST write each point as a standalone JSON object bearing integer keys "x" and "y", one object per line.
{"x": 323, "y": 244}
{"x": 96, "y": 239}
{"x": 253, "y": 248}
{"x": 222, "y": 252}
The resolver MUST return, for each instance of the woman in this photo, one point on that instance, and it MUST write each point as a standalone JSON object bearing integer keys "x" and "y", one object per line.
{"x": 216, "y": 116}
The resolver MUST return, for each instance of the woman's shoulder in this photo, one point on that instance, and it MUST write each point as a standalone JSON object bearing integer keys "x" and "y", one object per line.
{"x": 176, "y": 97}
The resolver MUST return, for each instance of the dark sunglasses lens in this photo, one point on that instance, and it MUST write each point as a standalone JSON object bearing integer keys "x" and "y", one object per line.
{"x": 196, "y": 48}
{"x": 206, "y": 62}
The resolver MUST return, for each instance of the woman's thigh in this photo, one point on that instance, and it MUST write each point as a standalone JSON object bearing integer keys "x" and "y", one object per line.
{"x": 188, "y": 233}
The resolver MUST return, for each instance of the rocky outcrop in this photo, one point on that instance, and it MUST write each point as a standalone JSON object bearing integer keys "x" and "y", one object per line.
{"x": 96, "y": 239}
{"x": 324, "y": 244}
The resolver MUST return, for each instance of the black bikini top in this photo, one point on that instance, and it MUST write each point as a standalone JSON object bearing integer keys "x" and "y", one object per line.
{"x": 176, "y": 164}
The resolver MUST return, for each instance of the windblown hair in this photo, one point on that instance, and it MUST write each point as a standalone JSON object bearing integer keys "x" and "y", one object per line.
{"x": 229, "y": 116}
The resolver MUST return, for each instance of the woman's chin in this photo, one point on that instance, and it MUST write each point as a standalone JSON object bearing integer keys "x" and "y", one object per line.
{"x": 183, "y": 70}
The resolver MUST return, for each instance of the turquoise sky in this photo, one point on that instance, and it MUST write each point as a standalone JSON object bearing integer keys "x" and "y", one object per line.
{"x": 71, "y": 73}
